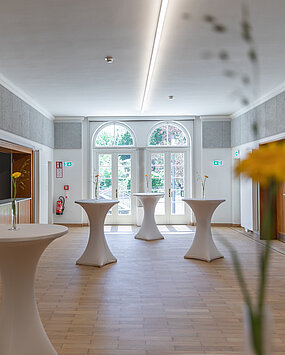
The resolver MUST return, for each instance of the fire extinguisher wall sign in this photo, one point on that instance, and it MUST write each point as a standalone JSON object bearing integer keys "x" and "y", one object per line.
{"x": 59, "y": 169}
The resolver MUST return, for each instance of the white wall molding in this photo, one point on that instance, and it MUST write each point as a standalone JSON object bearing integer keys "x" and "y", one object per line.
{"x": 272, "y": 93}
{"x": 19, "y": 93}
{"x": 140, "y": 118}
{"x": 69, "y": 118}
{"x": 14, "y": 138}
{"x": 216, "y": 118}
{"x": 257, "y": 142}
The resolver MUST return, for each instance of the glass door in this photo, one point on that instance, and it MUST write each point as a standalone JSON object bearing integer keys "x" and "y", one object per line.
{"x": 169, "y": 172}
{"x": 176, "y": 190}
{"x": 124, "y": 190}
{"x": 116, "y": 181}
{"x": 158, "y": 183}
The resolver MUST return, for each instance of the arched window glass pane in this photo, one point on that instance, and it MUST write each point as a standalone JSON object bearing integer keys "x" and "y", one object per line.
{"x": 176, "y": 136}
{"x": 159, "y": 136}
{"x": 123, "y": 136}
{"x": 167, "y": 135}
{"x": 106, "y": 136}
{"x": 114, "y": 135}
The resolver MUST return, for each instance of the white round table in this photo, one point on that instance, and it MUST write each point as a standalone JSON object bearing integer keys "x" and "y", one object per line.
{"x": 97, "y": 252}
{"x": 148, "y": 230}
{"x": 21, "y": 329}
{"x": 203, "y": 246}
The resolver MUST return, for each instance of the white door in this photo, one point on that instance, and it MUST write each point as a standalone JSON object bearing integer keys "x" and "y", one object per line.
{"x": 116, "y": 181}
{"x": 169, "y": 172}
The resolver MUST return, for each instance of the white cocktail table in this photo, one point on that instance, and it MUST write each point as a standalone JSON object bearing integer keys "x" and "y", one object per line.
{"x": 21, "y": 329}
{"x": 203, "y": 246}
{"x": 148, "y": 230}
{"x": 97, "y": 252}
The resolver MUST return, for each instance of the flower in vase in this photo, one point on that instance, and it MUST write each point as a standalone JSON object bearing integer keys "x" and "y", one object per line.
{"x": 14, "y": 177}
{"x": 96, "y": 182}
{"x": 265, "y": 165}
{"x": 203, "y": 182}
{"x": 146, "y": 179}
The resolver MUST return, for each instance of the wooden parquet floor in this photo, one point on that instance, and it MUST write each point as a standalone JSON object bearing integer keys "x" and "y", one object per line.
{"x": 152, "y": 301}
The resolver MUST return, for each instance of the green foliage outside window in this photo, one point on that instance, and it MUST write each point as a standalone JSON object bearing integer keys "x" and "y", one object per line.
{"x": 114, "y": 135}
{"x": 125, "y": 139}
{"x": 159, "y": 136}
{"x": 168, "y": 135}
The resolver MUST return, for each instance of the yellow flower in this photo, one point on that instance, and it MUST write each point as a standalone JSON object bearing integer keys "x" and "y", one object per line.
{"x": 206, "y": 176}
{"x": 96, "y": 176}
{"x": 264, "y": 164}
{"x": 145, "y": 175}
{"x": 16, "y": 175}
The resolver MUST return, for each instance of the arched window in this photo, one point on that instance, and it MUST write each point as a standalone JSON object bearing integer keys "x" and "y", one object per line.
{"x": 167, "y": 134}
{"x": 114, "y": 135}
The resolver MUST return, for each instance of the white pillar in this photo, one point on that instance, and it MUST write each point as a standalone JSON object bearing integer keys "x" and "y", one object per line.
{"x": 86, "y": 164}
{"x": 141, "y": 171}
{"x": 198, "y": 157}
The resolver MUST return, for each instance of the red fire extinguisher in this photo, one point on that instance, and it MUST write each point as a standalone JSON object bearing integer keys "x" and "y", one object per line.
{"x": 60, "y": 205}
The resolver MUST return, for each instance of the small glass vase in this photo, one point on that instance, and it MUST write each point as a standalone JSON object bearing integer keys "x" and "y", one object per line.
{"x": 147, "y": 185}
{"x": 203, "y": 194}
{"x": 267, "y": 330}
{"x": 96, "y": 194}
{"x": 14, "y": 215}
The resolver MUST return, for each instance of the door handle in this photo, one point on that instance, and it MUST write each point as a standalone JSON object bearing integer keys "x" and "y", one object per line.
{"x": 169, "y": 191}
{"x": 116, "y": 193}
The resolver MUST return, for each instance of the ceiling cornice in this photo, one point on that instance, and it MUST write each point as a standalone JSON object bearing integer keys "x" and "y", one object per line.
{"x": 19, "y": 93}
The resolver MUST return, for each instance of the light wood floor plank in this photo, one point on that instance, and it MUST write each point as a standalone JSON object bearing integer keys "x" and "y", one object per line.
{"x": 153, "y": 301}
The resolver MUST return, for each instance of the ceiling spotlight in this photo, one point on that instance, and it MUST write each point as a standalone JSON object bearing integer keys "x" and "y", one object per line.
{"x": 109, "y": 59}
{"x": 170, "y": 97}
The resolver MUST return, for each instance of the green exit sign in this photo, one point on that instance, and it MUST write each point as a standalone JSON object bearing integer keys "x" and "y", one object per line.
{"x": 218, "y": 162}
{"x": 67, "y": 163}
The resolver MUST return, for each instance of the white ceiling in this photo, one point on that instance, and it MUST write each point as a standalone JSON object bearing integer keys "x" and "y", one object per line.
{"x": 53, "y": 51}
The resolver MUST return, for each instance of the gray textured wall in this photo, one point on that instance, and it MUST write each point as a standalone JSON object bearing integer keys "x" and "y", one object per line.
{"x": 67, "y": 135}
{"x": 17, "y": 117}
{"x": 216, "y": 134}
{"x": 270, "y": 117}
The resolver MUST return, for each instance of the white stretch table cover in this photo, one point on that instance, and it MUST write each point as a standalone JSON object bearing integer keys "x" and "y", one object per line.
{"x": 21, "y": 330}
{"x": 148, "y": 230}
{"x": 97, "y": 252}
{"x": 203, "y": 246}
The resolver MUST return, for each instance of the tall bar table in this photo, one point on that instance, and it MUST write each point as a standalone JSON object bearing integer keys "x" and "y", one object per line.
{"x": 203, "y": 246}
{"x": 97, "y": 252}
{"x": 148, "y": 230}
{"x": 21, "y": 329}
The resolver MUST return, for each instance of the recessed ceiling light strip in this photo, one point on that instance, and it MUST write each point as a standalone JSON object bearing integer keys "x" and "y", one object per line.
{"x": 158, "y": 32}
